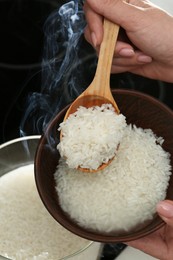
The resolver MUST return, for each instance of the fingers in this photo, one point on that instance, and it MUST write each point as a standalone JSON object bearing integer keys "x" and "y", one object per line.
{"x": 118, "y": 10}
{"x": 128, "y": 59}
{"x": 165, "y": 210}
{"x": 126, "y": 55}
{"x": 149, "y": 244}
{"x": 94, "y": 30}
{"x": 123, "y": 49}
{"x": 94, "y": 17}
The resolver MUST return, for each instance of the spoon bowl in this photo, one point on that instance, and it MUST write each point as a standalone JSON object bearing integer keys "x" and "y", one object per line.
{"x": 98, "y": 92}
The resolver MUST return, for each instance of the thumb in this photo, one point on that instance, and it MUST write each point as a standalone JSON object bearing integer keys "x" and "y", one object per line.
{"x": 165, "y": 211}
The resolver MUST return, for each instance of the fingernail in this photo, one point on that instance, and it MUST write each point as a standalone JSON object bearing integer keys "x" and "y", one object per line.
{"x": 94, "y": 39}
{"x": 165, "y": 209}
{"x": 144, "y": 59}
{"x": 127, "y": 52}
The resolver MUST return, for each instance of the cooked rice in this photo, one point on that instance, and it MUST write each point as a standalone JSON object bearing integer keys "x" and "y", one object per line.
{"x": 27, "y": 231}
{"x": 91, "y": 136}
{"x": 125, "y": 193}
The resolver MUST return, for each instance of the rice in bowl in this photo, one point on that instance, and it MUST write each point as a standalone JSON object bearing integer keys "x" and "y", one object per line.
{"x": 124, "y": 195}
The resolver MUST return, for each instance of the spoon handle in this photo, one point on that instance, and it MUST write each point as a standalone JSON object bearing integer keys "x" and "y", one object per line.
{"x": 102, "y": 76}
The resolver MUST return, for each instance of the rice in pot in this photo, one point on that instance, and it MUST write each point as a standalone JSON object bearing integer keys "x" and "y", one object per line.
{"x": 28, "y": 232}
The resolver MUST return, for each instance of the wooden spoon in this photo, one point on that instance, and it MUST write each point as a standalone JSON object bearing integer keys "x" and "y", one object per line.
{"x": 99, "y": 92}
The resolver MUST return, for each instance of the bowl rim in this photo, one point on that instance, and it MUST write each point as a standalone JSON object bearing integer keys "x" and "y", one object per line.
{"x": 146, "y": 96}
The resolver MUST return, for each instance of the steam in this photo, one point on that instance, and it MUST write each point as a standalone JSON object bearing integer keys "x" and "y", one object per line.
{"x": 62, "y": 67}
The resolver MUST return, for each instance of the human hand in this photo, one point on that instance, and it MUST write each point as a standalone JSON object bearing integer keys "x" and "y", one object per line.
{"x": 148, "y": 51}
{"x": 160, "y": 243}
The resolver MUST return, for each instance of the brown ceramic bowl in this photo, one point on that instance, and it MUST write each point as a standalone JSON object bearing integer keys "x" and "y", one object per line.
{"x": 139, "y": 109}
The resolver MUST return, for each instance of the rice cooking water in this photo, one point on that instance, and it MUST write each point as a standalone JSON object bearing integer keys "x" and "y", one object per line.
{"x": 90, "y": 136}
{"x": 125, "y": 193}
{"x": 27, "y": 231}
